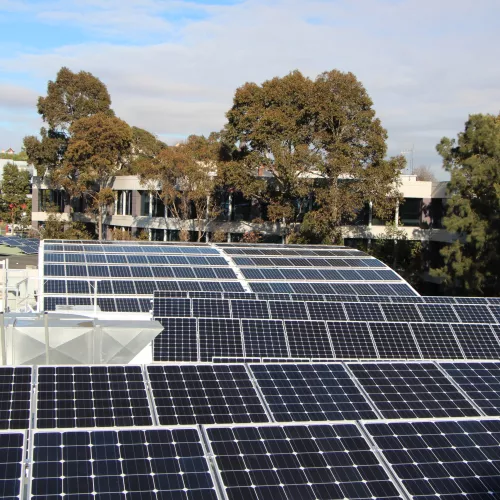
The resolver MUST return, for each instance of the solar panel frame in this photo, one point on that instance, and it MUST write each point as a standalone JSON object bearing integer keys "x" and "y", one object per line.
{"x": 293, "y": 461}
{"x": 437, "y": 341}
{"x": 411, "y": 389}
{"x": 264, "y": 338}
{"x": 308, "y": 339}
{"x": 204, "y": 394}
{"x": 156, "y": 462}
{"x": 91, "y": 396}
{"x": 15, "y": 397}
{"x": 12, "y": 458}
{"x": 351, "y": 340}
{"x": 394, "y": 340}
{"x": 219, "y": 338}
{"x": 477, "y": 341}
{"x": 305, "y": 392}
{"x": 178, "y": 341}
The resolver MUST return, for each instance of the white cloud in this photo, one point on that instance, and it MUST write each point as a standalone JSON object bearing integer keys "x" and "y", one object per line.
{"x": 426, "y": 64}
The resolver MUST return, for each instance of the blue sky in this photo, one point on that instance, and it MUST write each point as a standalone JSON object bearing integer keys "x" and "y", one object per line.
{"x": 172, "y": 66}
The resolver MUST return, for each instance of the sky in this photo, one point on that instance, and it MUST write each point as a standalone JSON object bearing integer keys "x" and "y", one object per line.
{"x": 172, "y": 67}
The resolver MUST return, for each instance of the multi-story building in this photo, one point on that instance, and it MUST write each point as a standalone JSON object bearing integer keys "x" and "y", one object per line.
{"x": 136, "y": 210}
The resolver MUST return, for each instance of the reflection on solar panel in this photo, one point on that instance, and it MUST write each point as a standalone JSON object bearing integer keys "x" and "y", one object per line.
{"x": 477, "y": 341}
{"x": 219, "y": 338}
{"x": 394, "y": 340}
{"x": 264, "y": 338}
{"x": 308, "y": 339}
{"x": 177, "y": 341}
{"x": 311, "y": 392}
{"x": 114, "y": 464}
{"x": 443, "y": 459}
{"x": 298, "y": 462}
{"x": 351, "y": 340}
{"x": 411, "y": 390}
{"x": 91, "y": 396}
{"x": 15, "y": 395}
{"x": 436, "y": 341}
{"x": 204, "y": 394}
{"x": 481, "y": 382}
{"x": 11, "y": 460}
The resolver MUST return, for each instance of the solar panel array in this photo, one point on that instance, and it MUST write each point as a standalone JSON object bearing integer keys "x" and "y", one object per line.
{"x": 26, "y": 245}
{"x": 120, "y": 274}
{"x": 259, "y": 431}
{"x": 313, "y": 375}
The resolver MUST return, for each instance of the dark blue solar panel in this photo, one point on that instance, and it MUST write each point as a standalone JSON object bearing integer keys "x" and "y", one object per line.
{"x": 11, "y": 464}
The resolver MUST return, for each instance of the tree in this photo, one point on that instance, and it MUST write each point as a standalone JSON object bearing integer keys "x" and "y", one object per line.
{"x": 15, "y": 190}
{"x": 320, "y": 140}
{"x": 472, "y": 260}
{"x": 424, "y": 173}
{"x": 184, "y": 177}
{"x": 71, "y": 97}
{"x": 55, "y": 228}
{"x": 98, "y": 149}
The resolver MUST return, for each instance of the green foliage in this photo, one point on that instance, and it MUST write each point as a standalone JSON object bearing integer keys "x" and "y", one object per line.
{"x": 319, "y": 139}
{"x": 472, "y": 261}
{"x": 56, "y": 228}
{"x": 15, "y": 190}
{"x": 22, "y": 156}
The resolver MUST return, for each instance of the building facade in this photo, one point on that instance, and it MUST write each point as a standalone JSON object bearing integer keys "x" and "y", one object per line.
{"x": 137, "y": 211}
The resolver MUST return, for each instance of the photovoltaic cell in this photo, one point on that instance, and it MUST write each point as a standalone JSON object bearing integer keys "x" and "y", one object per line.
{"x": 308, "y": 339}
{"x": 351, "y": 340}
{"x": 219, "y": 338}
{"x": 436, "y": 341}
{"x": 177, "y": 341}
{"x": 127, "y": 305}
{"x": 204, "y": 394}
{"x": 394, "y": 340}
{"x": 91, "y": 396}
{"x": 443, "y": 459}
{"x": 293, "y": 462}
{"x": 264, "y": 338}
{"x": 168, "y": 307}
{"x": 311, "y": 392}
{"x": 411, "y": 390}
{"x": 121, "y": 464}
{"x": 477, "y": 341}
{"x": 11, "y": 464}
{"x": 481, "y": 382}
{"x": 15, "y": 395}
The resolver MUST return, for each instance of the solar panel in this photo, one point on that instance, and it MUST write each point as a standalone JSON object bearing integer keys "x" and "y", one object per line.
{"x": 401, "y": 312}
{"x": 436, "y": 341}
{"x": 219, "y": 338}
{"x": 11, "y": 464}
{"x": 167, "y": 307}
{"x": 308, "y": 339}
{"x": 473, "y": 313}
{"x": 351, "y": 340}
{"x": 359, "y": 311}
{"x": 91, "y": 396}
{"x": 249, "y": 309}
{"x": 326, "y": 310}
{"x": 480, "y": 381}
{"x": 116, "y": 464}
{"x": 127, "y": 305}
{"x": 204, "y": 394}
{"x": 477, "y": 341}
{"x": 15, "y": 396}
{"x": 443, "y": 459}
{"x": 394, "y": 340}
{"x": 437, "y": 313}
{"x": 298, "y": 462}
{"x": 211, "y": 308}
{"x": 177, "y": 341}
{"x": 54, "y": 286}
{"x": 287, "y": 310}
{"x": 264, "y": 338}
{"x": 311, "y": 392}
{"x": 411, "y": 390}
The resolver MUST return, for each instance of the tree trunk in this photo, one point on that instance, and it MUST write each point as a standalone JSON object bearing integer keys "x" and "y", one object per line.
{"x": 99, "y": 222}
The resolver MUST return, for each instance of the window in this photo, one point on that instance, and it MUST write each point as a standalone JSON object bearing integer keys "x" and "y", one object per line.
{"x": 410, "y": 211}
{"x": 124, "y": 203}
{"x": 51, "y": 197}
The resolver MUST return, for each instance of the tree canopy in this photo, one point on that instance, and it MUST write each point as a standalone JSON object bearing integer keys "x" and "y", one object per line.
{"x": 15, "y": 189}
{"x": 472, "y": 261}
{"x": 319, "y": 139}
